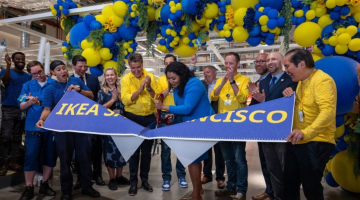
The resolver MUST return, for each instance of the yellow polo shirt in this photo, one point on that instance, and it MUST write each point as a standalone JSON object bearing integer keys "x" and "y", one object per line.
{"x": 319, "y": 107}
{"x": 227, "y": 93}
{"x": 144, "y": 104}
{"x": 163, "y": 84}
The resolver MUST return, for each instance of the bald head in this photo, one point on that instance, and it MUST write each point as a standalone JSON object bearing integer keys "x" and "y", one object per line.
{"x": 274, "y": 63}
{"x": 260, "y": 64}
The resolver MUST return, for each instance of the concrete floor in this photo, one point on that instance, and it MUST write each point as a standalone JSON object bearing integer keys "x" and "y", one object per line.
{"x": 256, "y": 185}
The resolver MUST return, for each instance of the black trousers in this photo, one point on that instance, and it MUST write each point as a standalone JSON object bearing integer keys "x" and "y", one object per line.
{"x": 265, "y": 171}
{"x": 145, "y": 158}
{"x": 66, "y": 143}
{"x": 304, "y": 164}
{"x": 12, "y": 129}
{"x": 219, "y": 164}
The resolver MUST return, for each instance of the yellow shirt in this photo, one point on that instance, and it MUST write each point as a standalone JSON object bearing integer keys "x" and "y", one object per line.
{"x": 227, "y": 93}
{"x": 144, "y": 104}
{"x": 163, "y": 84}
{"x": 319, "y": 107}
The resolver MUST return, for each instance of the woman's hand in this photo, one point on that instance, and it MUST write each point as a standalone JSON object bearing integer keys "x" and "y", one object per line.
{"x": 169, "y": 118}
{"x": 115, "y": 94}
{"x": 158, "y": 104}
{"x": 40, "y": 124}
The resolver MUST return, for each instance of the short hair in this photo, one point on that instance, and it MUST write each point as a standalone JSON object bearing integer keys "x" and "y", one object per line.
{"x": 210, "y": 67}
{"x": 298, "y": 55}
{"x": 136, "y": 57}
{"x": 78, "y": 58}
{"x": 170, "y": 55}
{"x": 237, "y": 57}
{"x": 181, "y": 70}
{"x": 33, "y": 64}
{"x": 16, "y": 53}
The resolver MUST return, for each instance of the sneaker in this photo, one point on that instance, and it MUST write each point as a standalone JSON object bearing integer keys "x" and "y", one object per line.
{"x": 122, "y": 180}
{"x": 182, "y": 182}
{"x": 28, "y": 193}
{"x": 166, "y": 186}
{"x": 46, "y": 190}
{"x": 112, "y": 184}
{"x": 91, "y": 193}
{"x": 239, "y": 196}
{"x": 225, "y": 191}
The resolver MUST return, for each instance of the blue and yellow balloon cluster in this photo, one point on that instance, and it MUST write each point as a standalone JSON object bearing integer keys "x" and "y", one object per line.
{"x": 62, "y": 7}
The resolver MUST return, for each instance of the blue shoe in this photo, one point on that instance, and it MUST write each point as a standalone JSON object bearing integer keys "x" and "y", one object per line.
{"x": 183, "y": 183}
{"x": 166, "y": 186}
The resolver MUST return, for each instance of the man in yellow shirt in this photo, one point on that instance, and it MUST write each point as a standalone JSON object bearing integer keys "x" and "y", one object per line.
{"x": 231, "y": 91}
{"x": 166, "y": 168}
{"x": 138, "y": 89}
{"x": 313, "y": 127}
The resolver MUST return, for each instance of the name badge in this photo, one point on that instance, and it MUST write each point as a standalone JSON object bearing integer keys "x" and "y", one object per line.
{"x": 301, "y": 116}
{"x": 227, "y": 102}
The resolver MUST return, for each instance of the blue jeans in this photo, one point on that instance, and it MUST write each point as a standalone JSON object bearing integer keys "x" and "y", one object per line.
{"x": 236, "y": 165}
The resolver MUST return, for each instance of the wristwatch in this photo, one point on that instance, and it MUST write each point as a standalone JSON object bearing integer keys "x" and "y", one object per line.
{"x": 232, "y": 82}
{"x": 149, "y": 89}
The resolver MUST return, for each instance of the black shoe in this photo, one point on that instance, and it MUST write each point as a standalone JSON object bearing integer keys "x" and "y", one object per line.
{"x": 133, "y": 190}
{"x": 46, "y": 190}
{"x": 146, "y": 186}
{"x": 77, "y": 185}
{"x": 66, "y": 197}
{"x": 99, "y": 181}
{"x": 91, "y": 193}
{"x": 112, "y": 184}
{"x": 122, "y": 180}
{"x": 28, "y": 193}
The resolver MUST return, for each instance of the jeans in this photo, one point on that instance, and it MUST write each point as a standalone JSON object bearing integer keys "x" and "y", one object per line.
{"x": 236, "y": 165}
{"x": 219, "y": 164}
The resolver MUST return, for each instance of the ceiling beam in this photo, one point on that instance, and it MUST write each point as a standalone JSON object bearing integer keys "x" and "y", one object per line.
{"x": 32, "y": 32}
{"x": 216, "y": 52}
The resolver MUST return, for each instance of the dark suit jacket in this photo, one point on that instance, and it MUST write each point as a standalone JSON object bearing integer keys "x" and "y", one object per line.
{"x": 93, "y": 83}
{"x": 214, "y": 104}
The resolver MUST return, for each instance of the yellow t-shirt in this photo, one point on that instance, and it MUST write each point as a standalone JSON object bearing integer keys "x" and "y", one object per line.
{"x": 319, "y": 107}
{"x": 163, "y": 84}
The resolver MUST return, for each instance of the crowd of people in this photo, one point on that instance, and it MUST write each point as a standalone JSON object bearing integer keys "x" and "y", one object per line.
{"x": 285, "y": 166}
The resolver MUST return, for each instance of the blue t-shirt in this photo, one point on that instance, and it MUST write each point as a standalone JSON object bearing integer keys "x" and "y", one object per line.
{"x": 56, "y": 91}
{"x": 34, "y": 111}
{"x": 13, "y": 89}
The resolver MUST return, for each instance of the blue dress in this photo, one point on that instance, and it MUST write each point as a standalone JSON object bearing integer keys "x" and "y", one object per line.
{"x": 193, "y": 104}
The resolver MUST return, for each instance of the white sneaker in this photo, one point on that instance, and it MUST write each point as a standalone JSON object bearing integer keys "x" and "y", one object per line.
{"x": 239, "y": 196}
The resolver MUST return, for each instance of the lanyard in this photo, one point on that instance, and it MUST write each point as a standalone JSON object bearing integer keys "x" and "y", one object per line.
{"x": 305, "y": 90}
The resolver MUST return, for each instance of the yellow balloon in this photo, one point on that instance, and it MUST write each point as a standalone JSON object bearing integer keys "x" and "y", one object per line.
{"x": 105, "y": 53}
{"x": 236, "y": 4}
{"x": 325, "y": 20}
{"x": 157, "y": 14}
{"x": 343, "y": 172}
{"x": 101, "y": 18}
{"x": 240, "y": 34}
{"x": 341, "y": 49}
{"x": 333, "y": 41}
{"x": 64, "y": 49}
{"x": 195, "y": 26}
{"x": 107, "y": 11}
{"x": 340, "y": 2}
{"x": 211, "y": 10}
{"x": 227, "y": 34}
{"x": 307, "y": 33}
{"x": 354, "y": 9}
{"x": 86, "y": 44}
{"x": 316, "y": 50}
{"x": 310, "y": 14}
{"x": 314, "y": 5}
{"x": 109, "y": 64}
{"x": 320, "y": 12}
{"x": 339, "y": 131}
{"x": 316, "y": 57}
{"x": 184, "y": 50}
{"x": 263, "y": 20}
{"x": 330, "y": 4}
{"x": 340, "y": 30}
{"x": 357, "y": 17}
{"x": 92, "y": 56}
{"x": 264, "y": 28}
{"x": 299, "y": 13}
{"x": 222, "y": 33}
{"x": 117, "y": 20}
{"x": 275, "y": 30}
{"x": 328, "y": 165}
{"x": 151, "y": 13}
{"x": 120, "y": 8}
{"x": 201, "y": 21}
{"x": 354, "y": 44}
{"x": 239, "y": 16}
{"x": 53, "y": 12}
{"x": 344, "y": 39}
{"x": 351, "y": 30}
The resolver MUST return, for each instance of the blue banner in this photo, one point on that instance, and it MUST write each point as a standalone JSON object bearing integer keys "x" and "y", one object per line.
{"x": 268, "y": 121}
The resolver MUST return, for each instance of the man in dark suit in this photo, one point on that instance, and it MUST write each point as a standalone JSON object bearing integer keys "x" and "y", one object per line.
{"x": 272, "y": 88}
{"x": 80, "y": 67}
{"x": 261, "y": 69}
{"x": 209, "y": 83}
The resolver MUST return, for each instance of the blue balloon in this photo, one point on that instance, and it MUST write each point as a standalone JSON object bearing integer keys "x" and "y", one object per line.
{"x": 306, "y": 8}
{"x": 88, "y": 19}
{"x": 133, "y": 45}
{"x": 229, "y": 39}
{"x": 221, "y": 18}
{"x": 330, "y": 180}
{"x": 72, "y": 5}
{"x": 339, "y": 120}
{"x": 94, "y": 25}
{"x": 343, "y": 71}
{"x": 222, "y": 9}
{"x": 65, "y": 5}
{"x": 77, "y": 34}
{"x": 337, "y": 8}
{"x": 266, "y": 10}
{"x": 341, "y": 145}
{"x": 301, "y": 20}
{"x": 189, "y": 7}
{"x": 172, "y": 17}
{"x": 350, "y": 53}
{"x": 264, "y": 34}
{"x": 97, "y": 70}
{"x": 220, "y": 26}
{"x": 269, "y": 41}
{"x": 162, "y": 42}
{"x": 280, "y": 21}
{"x": 108, "y": 40}
{"x": 254, "y": 41}
{"x": 56, "y": 6}
{"x": 165, "y": 12}
{"x": 316, "y": 19}
{"x": 192, "y": 36}
{"x": 59, "y": 2}
{"x": 335, "y": 151}
{"x": 273, "y": 14}
{"x": 116, "y": 36}
{"x": 327, "y": 30}
{"x": 258, "y": 14}
{"x": 257, "y": 6}
{"x": 294, "y": 20}
{"x": 295, "y": 3}
{"x": 272, "y": 23}
{"x": 178, "y": 13}
{"x": 65, "y": 44}
{"x": 255, "y": 31}
{"x": 79, "y": 19}
{"x": 271, "y": 36}
{"x": 328, "y": 50}
{"x": 276, "y": 4}
{"x": 127, "y": 33}
{"x": 65, "y": 11}
{"x": 133, "y": 23}
{"x": 344, "y": 10}
{"x": 334, "y": 15}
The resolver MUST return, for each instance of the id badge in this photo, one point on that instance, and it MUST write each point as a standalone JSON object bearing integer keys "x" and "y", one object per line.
{"x": 227, "y": 102}
{"x": 117, "y": 111}
{"x": 301, "y": 116}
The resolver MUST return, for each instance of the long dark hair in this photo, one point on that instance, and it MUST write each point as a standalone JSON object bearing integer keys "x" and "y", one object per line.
{"x": 181, "y": 70}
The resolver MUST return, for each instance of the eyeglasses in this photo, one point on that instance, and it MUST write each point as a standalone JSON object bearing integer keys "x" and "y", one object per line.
{"x": 259, "y": 61}
{"x": 40, "y": 72}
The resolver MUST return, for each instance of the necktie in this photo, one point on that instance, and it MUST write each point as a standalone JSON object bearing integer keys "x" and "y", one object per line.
{"x": 272, "y": 82}
{"x": 82, "y": 78}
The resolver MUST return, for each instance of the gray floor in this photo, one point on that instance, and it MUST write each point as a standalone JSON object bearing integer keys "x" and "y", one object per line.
{"x": 256, "y": 185}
